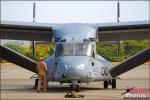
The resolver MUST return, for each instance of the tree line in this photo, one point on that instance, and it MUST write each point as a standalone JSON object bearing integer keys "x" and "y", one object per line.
{"x": 108, "y": 51}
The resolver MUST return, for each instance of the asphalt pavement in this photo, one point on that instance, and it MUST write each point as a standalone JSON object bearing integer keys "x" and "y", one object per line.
{"x": 16, "y": 84}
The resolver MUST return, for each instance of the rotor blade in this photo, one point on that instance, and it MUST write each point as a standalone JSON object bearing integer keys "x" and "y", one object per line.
{"x": 25, "y": 32}
{"x": 131, "y": 63}
{"x": 34, "y": 12}
{"x": 118, "y": 11}
{"x": 18, "y": 59}
{"x": 124, "y": 32}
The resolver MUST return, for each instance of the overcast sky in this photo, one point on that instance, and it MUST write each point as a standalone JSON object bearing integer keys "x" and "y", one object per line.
{"x": 74, "y": 11}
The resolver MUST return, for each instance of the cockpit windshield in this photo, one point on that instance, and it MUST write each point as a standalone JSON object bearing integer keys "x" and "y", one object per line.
{"x": 73, "y": 49}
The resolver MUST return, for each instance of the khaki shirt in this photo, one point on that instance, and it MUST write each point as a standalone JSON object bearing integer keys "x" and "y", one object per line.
{"x": 41, "y": 68}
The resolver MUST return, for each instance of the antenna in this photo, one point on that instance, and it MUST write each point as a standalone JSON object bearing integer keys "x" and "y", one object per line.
{"x": 34, "y": 7}
{"x": 33, "y": 43}
{"x": 118, "y": 11}
{"x": 118, "y": 20}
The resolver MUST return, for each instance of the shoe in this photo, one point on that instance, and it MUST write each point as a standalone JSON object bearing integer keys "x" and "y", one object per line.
{"x": 45, "y": 91}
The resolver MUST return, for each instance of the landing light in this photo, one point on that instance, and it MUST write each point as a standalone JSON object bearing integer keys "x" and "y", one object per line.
{"x": 81, "y": 66}
{"x": 67, "y": 67}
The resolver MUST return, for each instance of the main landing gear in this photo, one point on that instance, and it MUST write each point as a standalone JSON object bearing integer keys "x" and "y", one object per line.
{"x": 111, "y": 82}
{"x": 35, "y": 84}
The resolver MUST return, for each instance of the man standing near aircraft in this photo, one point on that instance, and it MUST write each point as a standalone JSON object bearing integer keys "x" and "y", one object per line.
{"x": 42, "y": 74}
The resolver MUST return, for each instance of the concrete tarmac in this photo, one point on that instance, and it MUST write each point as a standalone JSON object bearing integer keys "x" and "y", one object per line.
{"x": 16, "y": 84}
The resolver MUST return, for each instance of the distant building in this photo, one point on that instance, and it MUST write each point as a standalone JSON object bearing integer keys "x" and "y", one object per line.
{"x": 25, "y": 44}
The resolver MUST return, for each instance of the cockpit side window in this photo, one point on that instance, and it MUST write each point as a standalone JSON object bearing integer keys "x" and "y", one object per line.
{"x": 93, "y": 53}
{"x": 59, "y": 50}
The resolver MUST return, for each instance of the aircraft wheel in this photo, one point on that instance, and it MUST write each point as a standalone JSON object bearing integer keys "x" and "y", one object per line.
{"x": 77, "y": 88}
{"x": 113, "y": 84}
{"x": 36, "y": 83}
{"x": 105, "y": 84}
{"x": 72, "y": 88}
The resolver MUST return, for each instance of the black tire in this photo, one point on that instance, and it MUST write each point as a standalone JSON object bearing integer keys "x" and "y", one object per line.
{"x": 113, "y": 83}
{"x": 77, "y": 88}
{"x": 105, "y": 84}
{"x": 36, "y": 84}
{"x": 72, "y": 88}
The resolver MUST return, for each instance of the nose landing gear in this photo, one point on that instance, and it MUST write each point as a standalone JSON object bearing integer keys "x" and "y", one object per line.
{"x": 75, "y": 88}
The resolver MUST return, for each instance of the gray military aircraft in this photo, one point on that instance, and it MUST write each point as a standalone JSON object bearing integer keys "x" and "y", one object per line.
{"x": 75, "y": 59}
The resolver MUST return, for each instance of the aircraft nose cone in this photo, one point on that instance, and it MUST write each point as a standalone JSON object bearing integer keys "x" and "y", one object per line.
{"x": 77, "y": 71}
{"x": 76, "y": 67}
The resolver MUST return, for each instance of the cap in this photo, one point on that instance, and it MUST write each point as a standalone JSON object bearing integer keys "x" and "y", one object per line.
{"x": 42, "y": 58}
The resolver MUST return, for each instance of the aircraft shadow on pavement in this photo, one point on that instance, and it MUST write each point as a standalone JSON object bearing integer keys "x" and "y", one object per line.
{"x": 51, "y": 89}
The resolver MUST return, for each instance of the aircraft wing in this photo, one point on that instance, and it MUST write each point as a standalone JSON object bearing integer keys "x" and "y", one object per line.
{"x": 135, "y": 30}
{"x": 25, "y": 31}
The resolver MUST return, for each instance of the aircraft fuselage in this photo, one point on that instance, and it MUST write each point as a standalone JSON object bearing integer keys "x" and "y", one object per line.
{"x": 75, "y": 57}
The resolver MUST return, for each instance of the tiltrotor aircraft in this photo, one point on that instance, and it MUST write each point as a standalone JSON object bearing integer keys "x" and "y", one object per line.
{"x": 75, "y": 59}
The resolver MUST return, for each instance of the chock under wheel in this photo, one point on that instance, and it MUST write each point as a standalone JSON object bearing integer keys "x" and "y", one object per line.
{"x": 72, "y": 94}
